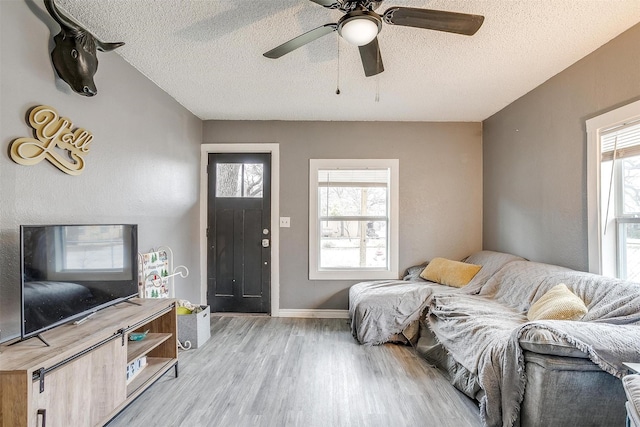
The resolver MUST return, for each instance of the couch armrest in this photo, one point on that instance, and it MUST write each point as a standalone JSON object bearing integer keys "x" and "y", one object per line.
{"x": 543, "y": 341}
{"x": 569, "y": 391}
{"x": 608, "y": 345}
{"x": 631, "y": 385}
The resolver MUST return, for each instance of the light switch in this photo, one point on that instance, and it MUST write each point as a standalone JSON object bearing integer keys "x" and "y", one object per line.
{"x": 285, "y": 222}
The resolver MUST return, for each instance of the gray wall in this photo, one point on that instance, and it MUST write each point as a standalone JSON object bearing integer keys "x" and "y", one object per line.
{"x": 142, "y": 138}
{"x": 440, "y": 190}
{"x": 535, "y": 202}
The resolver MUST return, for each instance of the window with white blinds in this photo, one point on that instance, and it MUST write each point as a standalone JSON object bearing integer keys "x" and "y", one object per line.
{"x": 613, "y": 191}
{"x": 353, "y": 217}
{"x": 620, "y": 148}
{"x": 623, "y": 141}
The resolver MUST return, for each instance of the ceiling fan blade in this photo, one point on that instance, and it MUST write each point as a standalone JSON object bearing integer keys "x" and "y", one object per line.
{"x": 331, "y": 4}
{"x": 371, "y": 59}
{"x": 452, "y": 22}
{"x": 300, "y": 41}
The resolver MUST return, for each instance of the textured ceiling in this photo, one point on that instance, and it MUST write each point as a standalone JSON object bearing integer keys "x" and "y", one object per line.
{"x": 208, "y": 55}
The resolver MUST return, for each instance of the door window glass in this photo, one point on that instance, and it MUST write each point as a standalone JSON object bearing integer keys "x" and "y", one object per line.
{"x": 239, "y": 180}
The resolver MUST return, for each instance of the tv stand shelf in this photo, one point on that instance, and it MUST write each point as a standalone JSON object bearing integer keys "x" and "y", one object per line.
{"x": 137, "y": 349}
{"x": 156, "y": 367}
{"x": 80, "y": 379}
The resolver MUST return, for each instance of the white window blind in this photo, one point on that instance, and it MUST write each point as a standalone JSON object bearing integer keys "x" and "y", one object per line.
{"x": 624, "y": 141}
{"x": 361, "y": 177}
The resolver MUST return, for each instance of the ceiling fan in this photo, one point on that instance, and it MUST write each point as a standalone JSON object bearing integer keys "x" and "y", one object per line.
{"x": 360, "y": 26}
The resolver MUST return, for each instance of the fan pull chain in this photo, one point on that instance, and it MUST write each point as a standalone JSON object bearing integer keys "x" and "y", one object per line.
{"x": 338, "y": 79}
{"x": 378, "y": 88}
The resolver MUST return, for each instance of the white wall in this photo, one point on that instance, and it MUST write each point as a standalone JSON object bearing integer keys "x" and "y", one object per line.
{"x": 142, "y": 139}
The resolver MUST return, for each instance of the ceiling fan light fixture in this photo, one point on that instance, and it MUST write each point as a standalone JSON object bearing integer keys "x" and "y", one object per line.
{"x": 359, "y": 30}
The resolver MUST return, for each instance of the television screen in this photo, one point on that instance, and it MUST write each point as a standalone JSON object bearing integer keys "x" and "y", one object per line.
{"x": 69, "y": 271}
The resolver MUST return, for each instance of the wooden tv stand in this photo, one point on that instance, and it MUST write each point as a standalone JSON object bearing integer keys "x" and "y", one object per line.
{"x": 80, "y": 380}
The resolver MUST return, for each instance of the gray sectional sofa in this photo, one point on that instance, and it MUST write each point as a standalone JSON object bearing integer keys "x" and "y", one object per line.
{"x": 522, "y": 373}
{"x": 632, "y": 389}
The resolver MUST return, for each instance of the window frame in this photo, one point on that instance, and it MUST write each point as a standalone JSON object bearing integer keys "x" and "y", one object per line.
{"x": 621, "y": 245}
{"x": 391, "y": 272}
{"x": 622, "y": 219}
{"x": 595, "y": 128}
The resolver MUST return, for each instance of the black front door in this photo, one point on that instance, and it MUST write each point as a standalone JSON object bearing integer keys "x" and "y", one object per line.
{"x": 239, "y": 232}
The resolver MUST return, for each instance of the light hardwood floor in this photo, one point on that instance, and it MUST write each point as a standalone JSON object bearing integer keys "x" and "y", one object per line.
{"x": 263, "y": 371}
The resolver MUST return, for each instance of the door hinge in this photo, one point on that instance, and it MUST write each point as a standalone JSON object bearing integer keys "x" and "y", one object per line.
{"x": 207, "y": 231}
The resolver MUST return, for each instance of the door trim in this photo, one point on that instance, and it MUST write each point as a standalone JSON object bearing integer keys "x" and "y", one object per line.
{"x": 274, "y": 149}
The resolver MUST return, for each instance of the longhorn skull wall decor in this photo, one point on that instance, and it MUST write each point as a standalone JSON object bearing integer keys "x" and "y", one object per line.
{"x": 74, "y": 55}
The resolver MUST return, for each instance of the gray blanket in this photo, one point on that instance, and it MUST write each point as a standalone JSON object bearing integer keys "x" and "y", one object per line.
{"x": 481, "y": 332}
{"x": 381, "y": 309}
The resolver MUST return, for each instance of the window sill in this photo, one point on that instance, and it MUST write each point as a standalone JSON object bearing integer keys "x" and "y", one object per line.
{"x": 353, "y": 275}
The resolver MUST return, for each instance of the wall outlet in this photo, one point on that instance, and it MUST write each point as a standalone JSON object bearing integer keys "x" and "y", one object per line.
{"x": 285, "y": 222}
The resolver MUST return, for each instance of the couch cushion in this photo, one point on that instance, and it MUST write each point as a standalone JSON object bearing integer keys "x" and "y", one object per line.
{"x": 543, "y": 341}
{"x": 491, "y": 262}
{"x": 450, "y": 273}
{"x": 558, "y": 303}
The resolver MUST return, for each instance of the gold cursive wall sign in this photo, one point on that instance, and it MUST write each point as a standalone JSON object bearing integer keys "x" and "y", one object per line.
{"x": 54, "y": 137}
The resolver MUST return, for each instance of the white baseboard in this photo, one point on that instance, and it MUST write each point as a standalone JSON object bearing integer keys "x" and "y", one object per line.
{"x": 314, "y": 314}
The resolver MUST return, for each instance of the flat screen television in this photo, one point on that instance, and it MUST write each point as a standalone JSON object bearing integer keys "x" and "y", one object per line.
{"x": 71, "y": 271}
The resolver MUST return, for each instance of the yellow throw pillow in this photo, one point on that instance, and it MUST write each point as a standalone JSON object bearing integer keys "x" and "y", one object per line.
{"x": 558, "y": 303}
{"x": 450, "y": 273}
